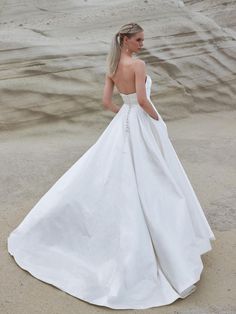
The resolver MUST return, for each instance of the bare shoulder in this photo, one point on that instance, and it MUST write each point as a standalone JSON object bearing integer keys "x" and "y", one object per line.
{"x": 107, "y": 76}
{"x": 139, "y": 62}
{"x": 108, "y": 79}
{"x": 139, "y": 65}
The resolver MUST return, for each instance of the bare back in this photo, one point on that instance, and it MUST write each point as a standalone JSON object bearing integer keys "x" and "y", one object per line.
{"x": 124, "y": 78}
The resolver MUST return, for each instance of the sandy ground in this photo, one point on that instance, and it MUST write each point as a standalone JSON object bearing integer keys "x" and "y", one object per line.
{"x": 33, "y": 158}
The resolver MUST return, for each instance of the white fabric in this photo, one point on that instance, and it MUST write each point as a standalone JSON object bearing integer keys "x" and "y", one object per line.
{"x": 122, "y": 227}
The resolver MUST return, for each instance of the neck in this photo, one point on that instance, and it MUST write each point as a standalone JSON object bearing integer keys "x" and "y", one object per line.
{"x": 125, "y": 53}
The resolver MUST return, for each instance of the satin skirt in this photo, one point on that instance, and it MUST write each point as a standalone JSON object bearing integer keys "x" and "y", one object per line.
{"x": 122, "y": 227}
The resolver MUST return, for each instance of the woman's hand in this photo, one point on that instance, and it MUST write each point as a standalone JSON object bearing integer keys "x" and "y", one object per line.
{"x": 155, "y": 118}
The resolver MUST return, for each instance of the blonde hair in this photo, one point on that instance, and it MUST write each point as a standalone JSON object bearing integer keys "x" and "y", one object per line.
{"x": 113, "y": 56}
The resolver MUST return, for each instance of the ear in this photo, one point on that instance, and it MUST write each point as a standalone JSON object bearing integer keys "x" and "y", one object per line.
{"x": 125, "y": 39}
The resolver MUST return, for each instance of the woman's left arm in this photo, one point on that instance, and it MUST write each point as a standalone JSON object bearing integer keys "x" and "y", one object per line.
{"x": 107, "y": 95}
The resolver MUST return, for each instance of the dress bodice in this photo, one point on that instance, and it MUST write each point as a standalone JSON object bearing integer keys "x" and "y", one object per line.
{"x": 131, "y": 99}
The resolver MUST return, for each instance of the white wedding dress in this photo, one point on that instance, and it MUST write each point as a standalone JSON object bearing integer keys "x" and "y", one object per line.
{"x": 122, "y": 227}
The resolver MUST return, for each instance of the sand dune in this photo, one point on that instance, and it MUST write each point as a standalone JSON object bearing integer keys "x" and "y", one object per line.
{"x": 52, "y": 61}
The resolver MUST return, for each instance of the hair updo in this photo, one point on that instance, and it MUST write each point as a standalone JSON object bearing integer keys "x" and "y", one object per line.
{"x": 113, "y": 56}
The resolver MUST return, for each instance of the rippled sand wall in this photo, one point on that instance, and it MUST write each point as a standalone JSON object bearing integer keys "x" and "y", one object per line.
{"x": 52, "y": 57}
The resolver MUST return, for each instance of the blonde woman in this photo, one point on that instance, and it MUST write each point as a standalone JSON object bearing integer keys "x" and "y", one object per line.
{"x": 122, "y": 228}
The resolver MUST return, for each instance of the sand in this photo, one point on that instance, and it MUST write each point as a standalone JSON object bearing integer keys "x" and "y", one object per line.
{"x": 52, "y": 67}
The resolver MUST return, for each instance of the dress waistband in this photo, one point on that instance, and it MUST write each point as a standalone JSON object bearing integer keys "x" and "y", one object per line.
{"x": 130, "y": 99}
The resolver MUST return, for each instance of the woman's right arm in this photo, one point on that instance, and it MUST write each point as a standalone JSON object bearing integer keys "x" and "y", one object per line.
{"x": 140, "y": 86}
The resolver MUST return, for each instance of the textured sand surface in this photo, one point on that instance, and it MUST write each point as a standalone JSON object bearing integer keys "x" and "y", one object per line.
{"x": 52, "y": 67}
{"x": 52, "y": 60}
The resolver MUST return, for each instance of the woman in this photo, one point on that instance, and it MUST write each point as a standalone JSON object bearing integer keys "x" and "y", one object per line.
{"x": 125, "y": 72}
{"x": 122, "y": 227}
